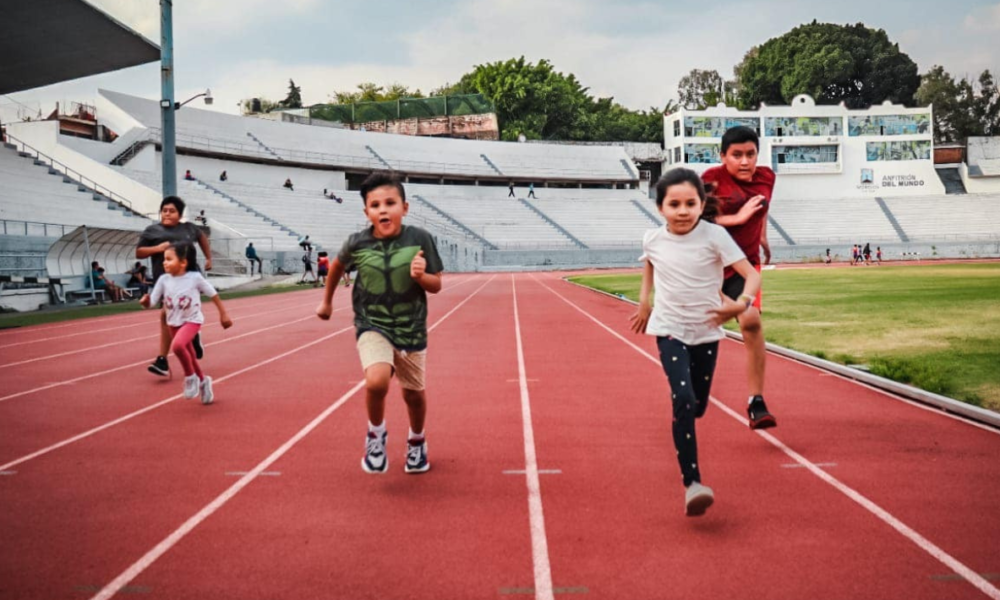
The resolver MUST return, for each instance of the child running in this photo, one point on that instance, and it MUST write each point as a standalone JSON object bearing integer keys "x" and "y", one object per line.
{"x": 684, "y": 261}
{"x": 181, "y": 288}
{"x": 398, "y": 265}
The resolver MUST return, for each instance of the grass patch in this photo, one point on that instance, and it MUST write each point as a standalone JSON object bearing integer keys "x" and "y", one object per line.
{"x": 13, "y": 319}
{"x": 936, "y": 327}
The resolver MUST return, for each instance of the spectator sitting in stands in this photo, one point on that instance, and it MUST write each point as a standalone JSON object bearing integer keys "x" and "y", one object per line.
{"x": 103, "y": 283}
{"x": 188, "y": 176}
{"x": 202, "y": 219}
{"x": 305, "y": 244}
{"x": 251, "y": 254}
{"x": 223, "y": 176}
{"x": 138, "y": 278}
{"x": 288, "y": 184}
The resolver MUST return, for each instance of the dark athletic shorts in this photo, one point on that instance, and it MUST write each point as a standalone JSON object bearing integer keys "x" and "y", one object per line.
{"x": 733, "y": 287}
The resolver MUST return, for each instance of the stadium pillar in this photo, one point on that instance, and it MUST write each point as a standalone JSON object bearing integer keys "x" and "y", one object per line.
{"x": 167, "y": 107}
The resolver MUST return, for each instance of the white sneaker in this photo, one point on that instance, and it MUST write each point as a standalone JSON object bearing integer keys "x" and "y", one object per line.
{"x": 697, "y": 499}
{"x": 207, "y": 396}
{"x": 191, "y": 386}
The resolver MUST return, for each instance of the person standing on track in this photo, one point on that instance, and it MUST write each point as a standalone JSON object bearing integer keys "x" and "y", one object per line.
{"x": 180, "y": 288}
{"x": 685, "y": 262}
{"x": 398, "y": 265}
{"x": 744, "y": 191}
{"x": 153, "y": 242}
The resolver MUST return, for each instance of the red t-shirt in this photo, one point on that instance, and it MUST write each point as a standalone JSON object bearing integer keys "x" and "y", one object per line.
{"x": 733, "y": 194}
{"x": 323, "y": 263}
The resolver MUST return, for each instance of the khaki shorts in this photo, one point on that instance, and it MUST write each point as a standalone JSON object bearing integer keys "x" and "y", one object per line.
{"x": 374, "y": 348}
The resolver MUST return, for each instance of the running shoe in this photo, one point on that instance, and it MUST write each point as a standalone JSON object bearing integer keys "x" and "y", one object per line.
{"x": 759, "y": 417}
{"x": 199, "y": 351}
{"x": 697, "y": 499}
{"x": 375, "y": 459}
{"x": 416, "y": 456}
{"x": 207, "y": 395}
{"x": 191, "y": 386}
{"x": 160, "y": 366}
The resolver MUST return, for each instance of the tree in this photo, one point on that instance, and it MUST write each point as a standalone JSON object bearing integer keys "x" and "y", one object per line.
{"x": 294, "y": 97}
{"x": 371, "y": 92}
{"x": 833, "y": 63}
{"x": 699, "y": 90}
{"x": 961, "y": 108}
{"x": 265, "y": 106}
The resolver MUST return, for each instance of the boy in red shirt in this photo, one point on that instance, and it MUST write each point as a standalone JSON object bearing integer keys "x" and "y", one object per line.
{"x": 744, "y": 191}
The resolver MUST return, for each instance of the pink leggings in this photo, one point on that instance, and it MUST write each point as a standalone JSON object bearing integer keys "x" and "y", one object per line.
{"x": 184, "y": 349}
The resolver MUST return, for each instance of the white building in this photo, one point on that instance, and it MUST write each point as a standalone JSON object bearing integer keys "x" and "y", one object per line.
{"x": 819, "y": 151}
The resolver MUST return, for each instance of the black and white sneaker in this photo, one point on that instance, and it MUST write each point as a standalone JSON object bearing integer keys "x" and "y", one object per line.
{"x": 416, "y": 456}
{"x": 375, "y": 460}
{"x": 759, "y": 417}
{"x": 160, "y": 366}
{"x": 199, "y": 351}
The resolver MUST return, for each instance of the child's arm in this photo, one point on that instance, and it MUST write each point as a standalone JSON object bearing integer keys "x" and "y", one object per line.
{"x": 641, "y": 318}
{"x": 746, "y": 211}
{"x": 733, "y": 308}
{"x": 325, "y": 308}
{"x": 223, "y": 315}
{"x": 206, "y": 249}
{"x": 156, "y": 295}
{"x": 430, "y": 283}
{"x": 765, "y": 245}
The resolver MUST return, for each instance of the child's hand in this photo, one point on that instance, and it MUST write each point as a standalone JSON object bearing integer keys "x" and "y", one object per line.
{"x": 641, "y": 318}
{"x": 144, "y": 301}
{"x": 418, "y": 266}
{"x": 226, "y": 321}
{"x": 730, "y": 309}
{"x": 752, "y": 205}
{"x": 324, "y": 311}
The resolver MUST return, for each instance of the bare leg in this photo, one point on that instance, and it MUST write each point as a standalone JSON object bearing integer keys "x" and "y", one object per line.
{"x": 416, "y": 407}
{"x": 377, "y": 379}
{"x": 753, "y": 340}
{"x": 165, "y": 336}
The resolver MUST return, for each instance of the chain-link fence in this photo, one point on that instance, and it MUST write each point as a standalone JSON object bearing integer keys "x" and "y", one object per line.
{"x": 404, "y": 108}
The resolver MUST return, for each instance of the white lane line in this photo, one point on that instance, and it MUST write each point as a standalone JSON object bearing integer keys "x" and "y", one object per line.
{"x": 142, "y": 362}
{"x": 262, "y": 473}
{"x": 797, "y": 465}
{"x": 171, "y": 540}
{"x": 208, "y": 324}
{"x": 921, "y": 542}
{"x": 920, "y": 405}
{"x": 536, "y": 517}
{"x": 5, "y": 473}
{"x": 540, "y": 472}
{"x": 144, "y": 322}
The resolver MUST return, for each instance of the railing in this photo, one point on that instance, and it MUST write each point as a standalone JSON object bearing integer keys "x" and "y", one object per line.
{"x": 32, "y": 228}
{"x": 80, "y": 179}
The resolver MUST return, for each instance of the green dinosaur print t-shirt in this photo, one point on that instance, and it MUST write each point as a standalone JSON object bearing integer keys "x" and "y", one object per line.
{"x": 386, "y": 299}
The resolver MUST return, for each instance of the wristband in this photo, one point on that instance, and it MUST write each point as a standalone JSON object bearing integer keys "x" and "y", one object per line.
{"x": 745, "y": 299}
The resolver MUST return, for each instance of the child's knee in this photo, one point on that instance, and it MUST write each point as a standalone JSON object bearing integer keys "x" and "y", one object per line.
{"x": 685, "y": 404}
{"x": 750, "y": 322}
{"x": 377, "y": 378}
{"x": 414, "y": 397}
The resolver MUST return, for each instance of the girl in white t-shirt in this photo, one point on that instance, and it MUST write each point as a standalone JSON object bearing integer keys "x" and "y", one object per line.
{"x": 684, "y": 262}
{"x": 181, "y": 289}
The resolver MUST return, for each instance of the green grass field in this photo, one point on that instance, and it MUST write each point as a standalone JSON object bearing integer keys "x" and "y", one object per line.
{"x": 936, "y": 327}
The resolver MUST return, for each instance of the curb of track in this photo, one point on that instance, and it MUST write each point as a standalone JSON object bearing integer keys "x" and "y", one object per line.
{"x": 944, "y": 403}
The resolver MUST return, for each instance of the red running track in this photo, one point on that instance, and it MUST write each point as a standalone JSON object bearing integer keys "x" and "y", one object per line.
{"x": 553, "y": 469}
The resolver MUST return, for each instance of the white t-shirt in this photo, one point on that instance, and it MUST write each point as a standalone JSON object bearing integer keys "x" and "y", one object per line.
{"x": 182, "y": 297}
{"x": 687, "y": 277}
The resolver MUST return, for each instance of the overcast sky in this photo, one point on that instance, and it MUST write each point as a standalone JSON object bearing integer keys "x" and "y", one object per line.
{"x": 633, "y": 50}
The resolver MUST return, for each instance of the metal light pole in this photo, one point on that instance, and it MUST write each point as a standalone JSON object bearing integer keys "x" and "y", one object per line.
{"x": 169, "y": 153}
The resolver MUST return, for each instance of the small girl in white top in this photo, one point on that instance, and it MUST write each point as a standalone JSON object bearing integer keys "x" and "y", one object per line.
{"x": 181, "y": 290}
{"x": 684, "y": 261}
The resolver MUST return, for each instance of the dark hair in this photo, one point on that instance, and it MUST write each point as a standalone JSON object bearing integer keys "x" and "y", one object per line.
{"x": 94, "y": 264}
{"x": 187, "y": 253}
{"x": 322, "y": 254}
{"x": 681, "y": 175}
{"x": 739, "y": 135}
{"x": 177, "y": 202}
{"x": 377, "y": 180}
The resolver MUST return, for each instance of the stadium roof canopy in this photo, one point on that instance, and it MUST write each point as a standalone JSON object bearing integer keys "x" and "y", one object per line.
{"x": 48, "y": 41}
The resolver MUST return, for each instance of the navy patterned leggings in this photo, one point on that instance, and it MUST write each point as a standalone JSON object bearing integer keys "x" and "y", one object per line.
{"x": 689, "y": 370}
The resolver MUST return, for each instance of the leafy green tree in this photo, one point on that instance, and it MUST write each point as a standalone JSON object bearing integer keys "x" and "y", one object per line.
{"x": 699, "y": 90}
{"x": 294, "y": 97}
{"x": 833, "y": 63}
{"x": 266, "y": 106}
{"x": 961, "y": 108}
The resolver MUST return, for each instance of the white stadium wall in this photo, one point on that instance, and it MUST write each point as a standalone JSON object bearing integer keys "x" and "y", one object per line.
{"x": 824, "y": 160}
